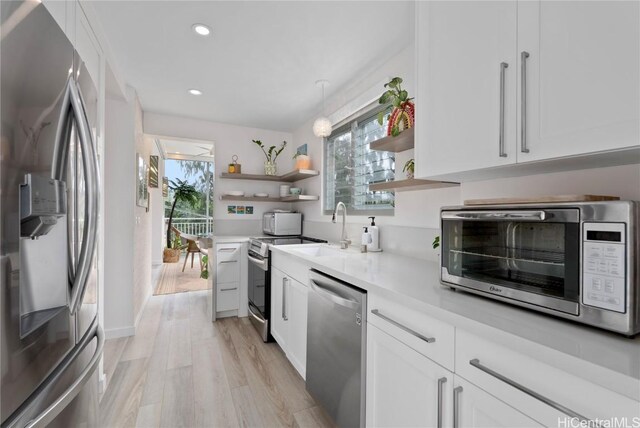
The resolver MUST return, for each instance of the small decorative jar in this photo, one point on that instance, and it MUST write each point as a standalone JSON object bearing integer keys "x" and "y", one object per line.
{"x": 270, "y": 168}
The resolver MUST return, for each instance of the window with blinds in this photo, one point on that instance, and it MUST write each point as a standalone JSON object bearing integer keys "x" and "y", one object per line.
{"x": 350, "y": 166}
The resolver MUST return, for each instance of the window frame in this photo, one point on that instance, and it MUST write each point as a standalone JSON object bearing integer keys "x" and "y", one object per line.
{"x": 351, "y": 124}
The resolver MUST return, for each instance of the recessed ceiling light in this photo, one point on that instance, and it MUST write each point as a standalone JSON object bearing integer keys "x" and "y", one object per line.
{"x": 201, "y": 29}
{"x": 195, "y": 92}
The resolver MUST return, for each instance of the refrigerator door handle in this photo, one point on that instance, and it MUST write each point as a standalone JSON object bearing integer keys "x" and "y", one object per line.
{"x": 23, "y": 418}
{"x": 74, "y": 105}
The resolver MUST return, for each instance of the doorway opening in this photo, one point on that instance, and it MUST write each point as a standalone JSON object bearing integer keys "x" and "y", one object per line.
{"x": 185, "y": 222}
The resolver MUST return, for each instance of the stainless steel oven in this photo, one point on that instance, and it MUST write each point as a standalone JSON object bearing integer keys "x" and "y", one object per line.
{"x": 574, "y": 260}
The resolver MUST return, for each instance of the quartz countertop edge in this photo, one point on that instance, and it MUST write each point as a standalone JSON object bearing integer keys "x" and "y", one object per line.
{"x": 609, "y": 359}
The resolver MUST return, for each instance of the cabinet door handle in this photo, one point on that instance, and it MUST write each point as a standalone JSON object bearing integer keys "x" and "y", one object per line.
{"x": 226, "y": 250}
{"x": 228, "y": 289}
{"x": 503, "y": 68}
{"x": 400, "y": 326}
{"x": 229, "y": 261}
{"x": 456, "y": 406}
{"x": 284, "y": 299}
{"x": 476, "y": 363}
{"x": 523, "y": 101}
{"x": 441, "y": 383}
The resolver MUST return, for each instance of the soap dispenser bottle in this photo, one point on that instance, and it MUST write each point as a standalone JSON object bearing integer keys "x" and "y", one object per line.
{"x": 374, "y": 246}
{"x": 366, "y": 240}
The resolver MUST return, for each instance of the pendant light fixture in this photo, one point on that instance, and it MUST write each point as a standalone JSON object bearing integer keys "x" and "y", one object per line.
{"x": 322, "y": 125}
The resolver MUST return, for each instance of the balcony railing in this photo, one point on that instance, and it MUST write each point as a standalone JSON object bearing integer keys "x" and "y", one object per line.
{"x": 192, "y": 226}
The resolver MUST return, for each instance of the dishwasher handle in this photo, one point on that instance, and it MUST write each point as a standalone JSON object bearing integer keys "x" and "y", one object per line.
{"x": 317, "y": 286}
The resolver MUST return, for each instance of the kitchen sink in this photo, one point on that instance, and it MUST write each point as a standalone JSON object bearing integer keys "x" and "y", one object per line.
{"x": 319, "y": 251}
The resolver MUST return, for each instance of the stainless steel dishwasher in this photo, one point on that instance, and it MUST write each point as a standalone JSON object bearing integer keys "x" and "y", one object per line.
{"x": 336, "y": 348}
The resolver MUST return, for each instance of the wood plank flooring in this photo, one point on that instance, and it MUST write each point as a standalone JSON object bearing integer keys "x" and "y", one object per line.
{"x": 182, "y": 370}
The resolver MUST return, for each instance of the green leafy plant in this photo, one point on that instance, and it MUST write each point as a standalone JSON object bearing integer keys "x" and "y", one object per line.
{"x": 398, "y": 98}
{"x": 204, "y": 274}
{"x": 182, "y": 191}
{"x": 436, "y": 242}
{"x": 409, "y": 166}
{"x": 272, "y": 153}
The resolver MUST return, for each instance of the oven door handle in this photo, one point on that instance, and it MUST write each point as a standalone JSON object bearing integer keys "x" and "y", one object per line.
{"x": 495, "y": 215}
{"x": 262, "y": 264}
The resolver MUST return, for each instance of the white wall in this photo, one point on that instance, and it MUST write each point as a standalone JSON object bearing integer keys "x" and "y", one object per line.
{"x": 412, "y": 208}
{"x": 118, "y": 218}
{"x": 127, "y": 226}
{"x": 230, "y": 140}
{"x": 143, "y": 220}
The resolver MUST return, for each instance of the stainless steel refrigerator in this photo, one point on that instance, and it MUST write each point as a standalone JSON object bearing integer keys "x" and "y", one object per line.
{"x": 49, "y": 190}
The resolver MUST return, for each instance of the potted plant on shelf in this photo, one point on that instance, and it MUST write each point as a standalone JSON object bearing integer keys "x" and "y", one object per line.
{"x": 270, "y": 167}
{"x": 409, "y": 168}
{"x": 403, "y": 114}
{"x": 182, "y": 191}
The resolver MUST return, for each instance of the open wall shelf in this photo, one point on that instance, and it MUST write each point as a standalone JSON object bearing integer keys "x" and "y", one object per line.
{"x": 290, "y": 177}
{"x": 411, "y": 184}
{"x": 290, "y": 198}
{"x": 400, "y": 143}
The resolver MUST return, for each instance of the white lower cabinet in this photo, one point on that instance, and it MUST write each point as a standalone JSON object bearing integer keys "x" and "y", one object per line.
{"x": 289, "y": 317}
{"x": 502, "y": 381}
{"x": 404, "y": 388}
{"x": 473, "y": 407}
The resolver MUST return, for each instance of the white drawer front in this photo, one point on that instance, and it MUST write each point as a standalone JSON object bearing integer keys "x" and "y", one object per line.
{"x": 429, "y": 336}
{"x": 226, "y": 252}
{"x": 228, "y": 271}
{"x": 291, "y": 266}
{"x": 543, "y": 382}
{"x": 227, "y": 297}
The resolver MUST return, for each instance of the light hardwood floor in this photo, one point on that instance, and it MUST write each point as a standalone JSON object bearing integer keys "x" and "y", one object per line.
{"x": 174, "y": 280}
{"x": 182, "y": 370}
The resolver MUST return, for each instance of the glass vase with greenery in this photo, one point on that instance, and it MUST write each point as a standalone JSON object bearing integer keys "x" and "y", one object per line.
{"x": 271, "y": 154}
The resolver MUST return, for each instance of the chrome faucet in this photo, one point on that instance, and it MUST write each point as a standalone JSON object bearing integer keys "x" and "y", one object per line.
{"x": 344, "y": 241}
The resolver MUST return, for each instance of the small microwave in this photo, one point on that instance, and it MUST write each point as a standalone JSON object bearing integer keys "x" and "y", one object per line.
{"x": 578, "y": 261}
{"x": 282, "y": 223}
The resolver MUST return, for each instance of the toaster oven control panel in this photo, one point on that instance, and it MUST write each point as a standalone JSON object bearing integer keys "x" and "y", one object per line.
{"x": 603, "y": 266}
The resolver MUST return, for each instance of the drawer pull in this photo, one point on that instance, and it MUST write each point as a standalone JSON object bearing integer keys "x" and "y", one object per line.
{"x": 229, "y": 261}
{"x": 476, "y": 363}
{"x": 456, "y": 406}
{"x": 441, "y": 383}
{"x": 228, "y": 289}
{"x": 400, "y": 326}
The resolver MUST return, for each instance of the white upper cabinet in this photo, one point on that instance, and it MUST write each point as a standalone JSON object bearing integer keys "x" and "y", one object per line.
{"x": 461, "y": 49}
{"x": 582, "y": 77}
{"x": 86, "y": 43}
{"x": 571, "y": 85}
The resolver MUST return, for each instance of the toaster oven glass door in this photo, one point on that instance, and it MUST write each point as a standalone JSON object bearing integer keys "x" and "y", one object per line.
{"x": 532, "y": 256}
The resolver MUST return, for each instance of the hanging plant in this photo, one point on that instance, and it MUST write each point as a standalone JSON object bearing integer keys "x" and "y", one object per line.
{"x": 403, "y": 114}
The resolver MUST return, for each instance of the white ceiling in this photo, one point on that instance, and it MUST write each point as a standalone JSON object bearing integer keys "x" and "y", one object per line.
{"x": 259, "y": 65}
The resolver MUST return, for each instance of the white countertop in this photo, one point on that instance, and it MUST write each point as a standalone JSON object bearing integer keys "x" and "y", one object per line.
{"x": 608, "y": 359}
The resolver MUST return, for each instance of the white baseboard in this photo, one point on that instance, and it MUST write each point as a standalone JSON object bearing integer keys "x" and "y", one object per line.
{"x": 114, "y": 333}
